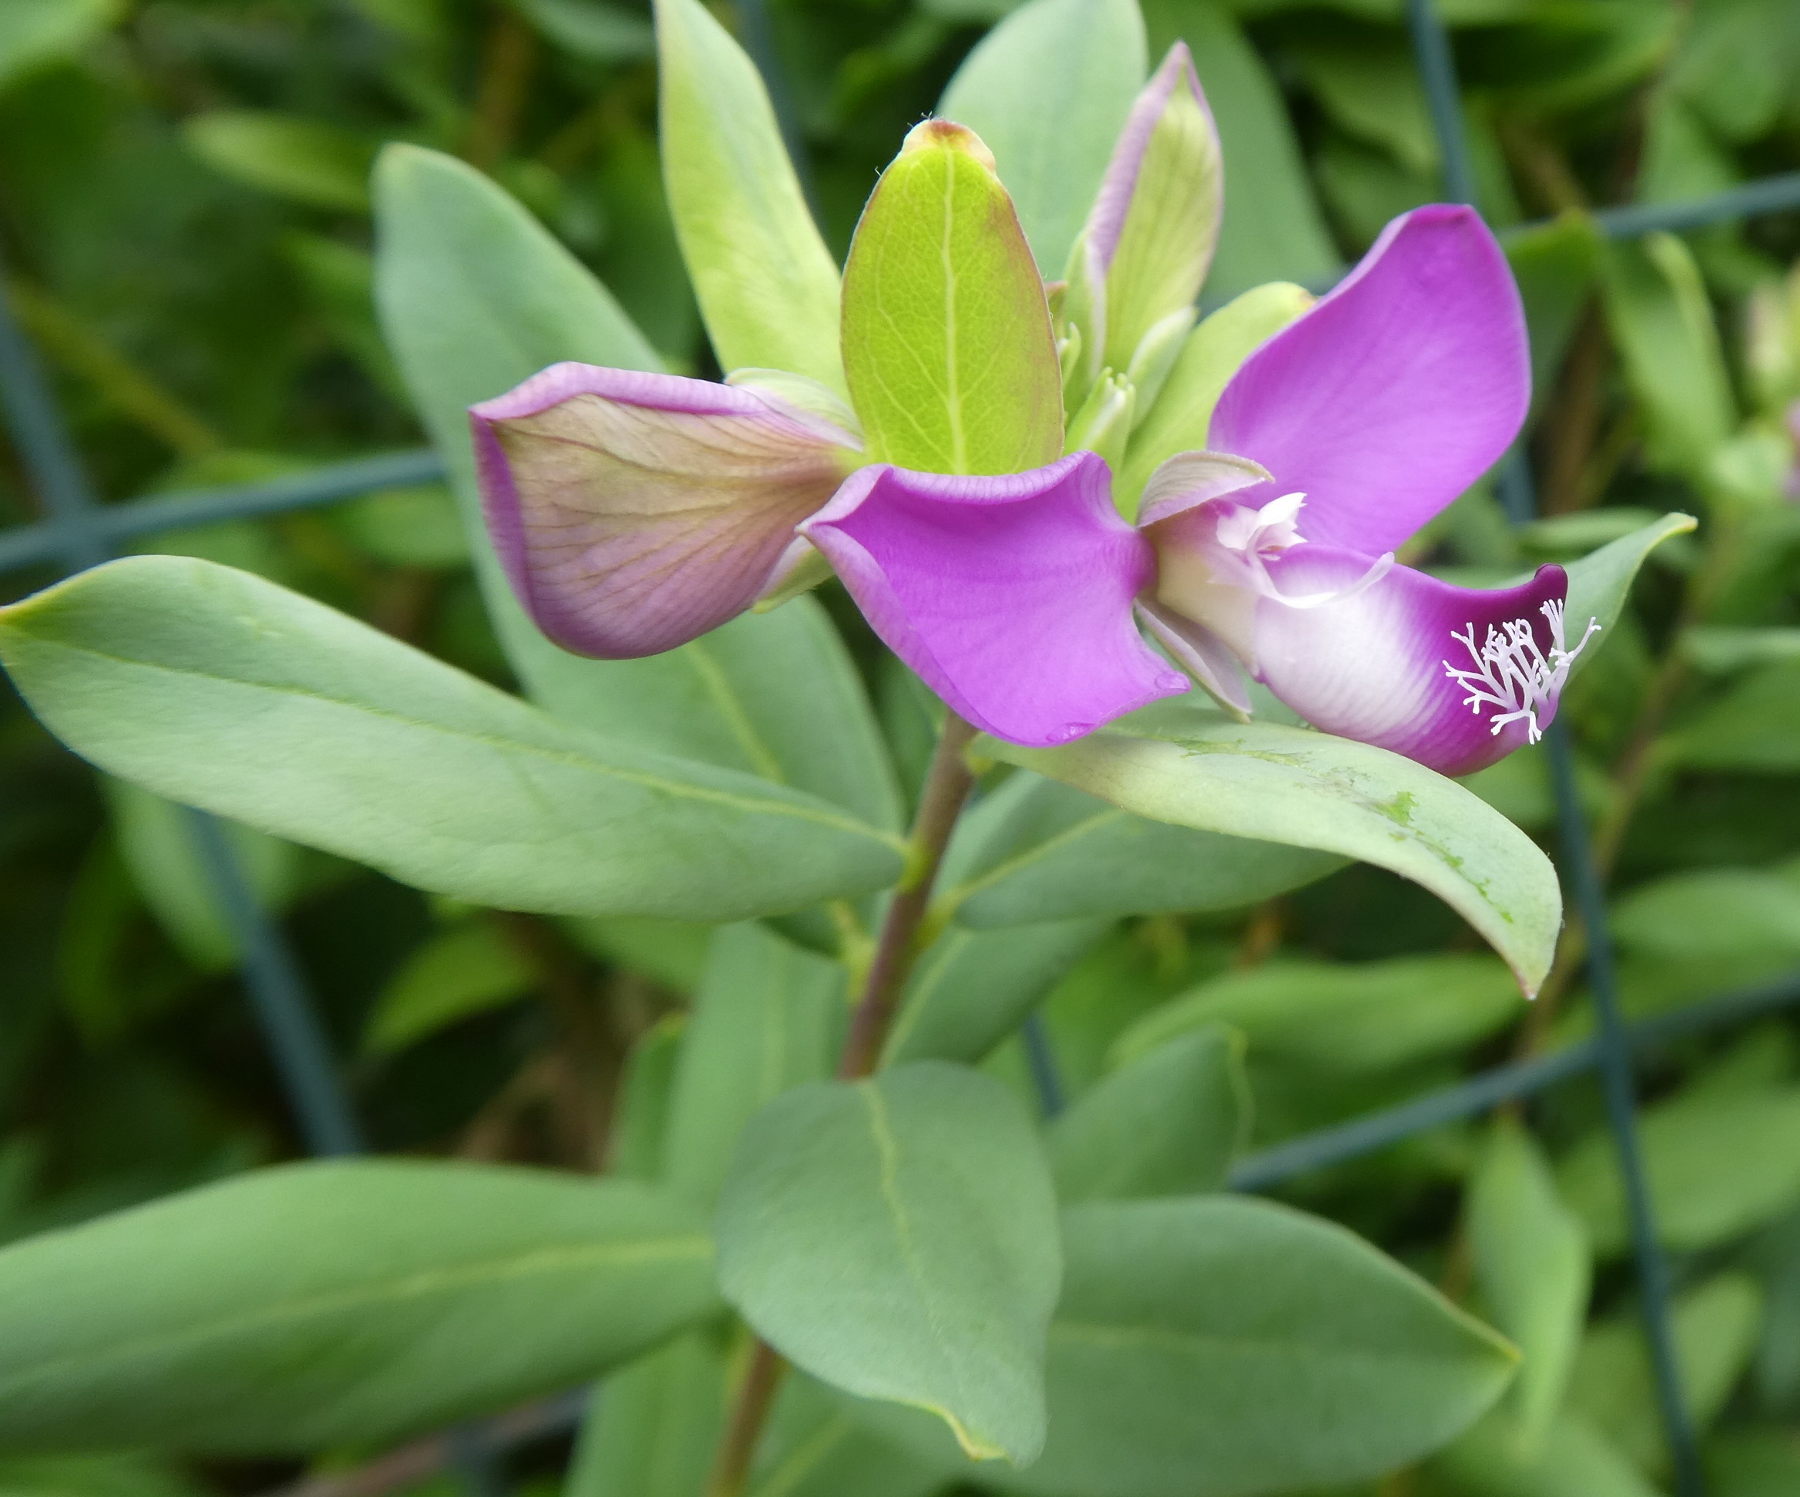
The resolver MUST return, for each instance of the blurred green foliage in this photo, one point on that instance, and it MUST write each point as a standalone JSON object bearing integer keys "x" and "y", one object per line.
{"x": 184, "y": 210}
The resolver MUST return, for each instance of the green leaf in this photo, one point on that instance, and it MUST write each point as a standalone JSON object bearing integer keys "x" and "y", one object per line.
{"x": 1719, "y": 1163}
{"x": 1220, "y": 1347}
{"x": 773, "y": 695}
{"x": 592, "y": 28}
{"x": 311, "y": 1305}
{"x": 1343, "y": 1016}
{"x": 1280, "y": 784}
{"x": 1753, "y": 1463}
{"x": 1715, "y": 1327}
{"x": 93, "y": 1476}
{"x": 1572, "y": 1459}
{"x": 1533, "y": 1271}
{"x": 767, "y": 1017}
{"x": 1179, "y": 419}
{"x": 1662, "y": 324}
{"x": 814, "y": 1447}
{"x": 971, "y": 989}
{"x": 1048, "y": 89}
{"x": 1712, "y": 914}
{"x": 1037, "y": 850}
{"x": 1600, "y": 582}
{"x": 466, "y": 970}
{"x": 947, "y": 340}
{"x": 311, "y": 161}
{"x": 639, "y": 1134}
{"x": 1167, "y": 1123}
{"x": 35, "y": 33}
{"x": 896, "y": 1237}
{"x": 220, "y": 690}
{"x": 651, "y": 1428}
{"x": 1273, "y": 229}
{"x": 1752, "y": 728}
{"x": 1368, "y": 83}
{"x": 768, "y": 287}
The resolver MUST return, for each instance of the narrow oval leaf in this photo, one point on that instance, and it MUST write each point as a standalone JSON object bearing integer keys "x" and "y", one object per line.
{"x": 1533, "y": 1269}
{"x": 767, "y": 1016}
{"x": 1219, "y": 1347}
{"x": 651, "y": 1427}
{"x": 1291, "y": 785}
{"x": 947, "y": 340}
{"x": 767, "y": 286}
{"x": 1167, "y": 1123}
{"x": 896, "y": 1237}
{"x": 1048, "y": 90}
{"x": 328, "y": 1304}
{"x": 971, "y": 989}
{"x": 1037, "y": 850}
{"x": 1600, "y": 582}
{"x": 224, "y": 691}
{"x": 774, "y": 696}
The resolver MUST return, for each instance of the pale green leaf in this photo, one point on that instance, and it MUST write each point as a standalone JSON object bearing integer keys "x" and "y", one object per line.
{"x": 1719, "y": 1164}
{"x": 1572, "y": 1459}
{"x": 1600, "y": 582}
{"x": 652, "y": 1426}
{"x": 768, "y": 287}
{"x": 973, "y": 988}
{"x": 896, "y": 1237}
{"x": 947, "y": 340}
{"x": 466, "y": 970}
{"x": 1343, "y": 1016}
{"x": 312, "y": 1305}
{"x": 1221, "y": 1347}
{"x": 1306, "y": 789}
{"x": 36, "y": 33}
{"x": 1715, "y": 1327}
{"x": 1533, "y": 1271}
{"x": 1167, "y": 1123}
{"x": 310, "y": 161}
{"x": 814, "y": 1447}
{"x": 224, "y": 691}
{"x": 1037, "y": 850}
{"x": 767, "y": 1017}
{"x": 1048, "y": 89}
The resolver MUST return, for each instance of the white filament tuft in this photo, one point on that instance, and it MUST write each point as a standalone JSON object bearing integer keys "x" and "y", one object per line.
{"x": 1511, "y": 675}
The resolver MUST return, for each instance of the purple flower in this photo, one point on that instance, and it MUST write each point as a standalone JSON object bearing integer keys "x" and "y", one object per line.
{"x": 634, "y": 512}
{"x": 1334, "y": 443}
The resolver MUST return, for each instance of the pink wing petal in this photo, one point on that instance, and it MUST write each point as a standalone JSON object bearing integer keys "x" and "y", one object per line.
{"x": 1374, "y": 664}
{"x": 1010, "y": 596}
{"x": 634, "y": 512}
{"x": 1394, "y": 393}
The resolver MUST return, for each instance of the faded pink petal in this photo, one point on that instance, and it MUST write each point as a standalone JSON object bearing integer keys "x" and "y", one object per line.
{"x": 1395, "y": 392}
{"x": 634, "y": 512}
{"x": 1374, "y": 664}
{"x": 1010, "y": 596}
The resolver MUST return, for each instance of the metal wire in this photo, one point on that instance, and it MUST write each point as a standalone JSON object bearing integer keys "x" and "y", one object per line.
{"x": 1437, "y": 71}
{"x": 79, "y": 532}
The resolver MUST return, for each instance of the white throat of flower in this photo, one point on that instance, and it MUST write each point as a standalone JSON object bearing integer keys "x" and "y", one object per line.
{"x": 1253, "y": 538}
{"x": 1511, "y": 675}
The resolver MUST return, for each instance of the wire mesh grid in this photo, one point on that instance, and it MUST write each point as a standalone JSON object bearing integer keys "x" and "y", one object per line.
{"x": 78, "y": 531}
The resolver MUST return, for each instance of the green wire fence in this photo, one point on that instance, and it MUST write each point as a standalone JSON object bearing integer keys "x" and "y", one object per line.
{"x": 77, "y": 530}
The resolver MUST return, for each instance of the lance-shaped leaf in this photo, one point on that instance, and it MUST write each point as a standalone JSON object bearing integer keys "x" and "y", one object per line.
{"x": 896, "y": 1237}
{"x": 635, "y": 512}
{"x": 947, "y": 340}
{"x": 227, "y": 692}
{"x": 767, "y": 285}
{"x": 1150, "y": 238}
{"x": 329, "y": 1304}
{"x": 1282, "y": 784}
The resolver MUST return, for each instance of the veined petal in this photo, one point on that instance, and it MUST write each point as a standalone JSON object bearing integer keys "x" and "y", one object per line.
{"x": 1400, "y": 663}
{"x": 1011, "y": 596}
{"x": 1394, "y": 393}
{"x": 634, "y": 512}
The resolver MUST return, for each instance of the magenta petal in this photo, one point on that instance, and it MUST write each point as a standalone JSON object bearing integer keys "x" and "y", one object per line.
{"x": 1395, "y": 392}
{"x": 634, "y": 512}
{"x": 1373, "y": 664}
{"x": 1010, "y": 596}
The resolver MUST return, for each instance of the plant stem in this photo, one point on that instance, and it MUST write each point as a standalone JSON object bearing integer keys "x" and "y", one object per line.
{"x": 947, "y": 785}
